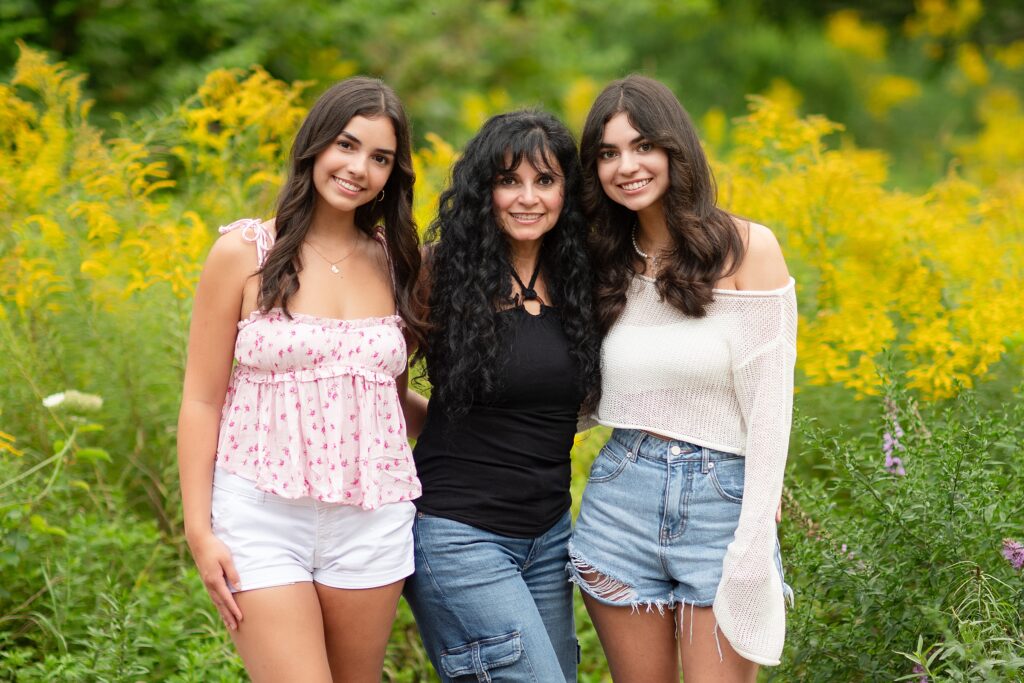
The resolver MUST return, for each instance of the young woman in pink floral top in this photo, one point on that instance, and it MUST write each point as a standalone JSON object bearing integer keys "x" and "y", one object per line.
{"x": 296, "y": 474}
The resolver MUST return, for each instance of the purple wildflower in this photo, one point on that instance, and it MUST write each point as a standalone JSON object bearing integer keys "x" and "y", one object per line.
{"x": 1013, "y": 551}
{"x": 891, "y": 440}
{"x": 918, "y": 669}
{"x": 894, "y": 464}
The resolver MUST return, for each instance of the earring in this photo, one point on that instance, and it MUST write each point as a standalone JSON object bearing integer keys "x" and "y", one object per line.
{"x": 380, "y": 197}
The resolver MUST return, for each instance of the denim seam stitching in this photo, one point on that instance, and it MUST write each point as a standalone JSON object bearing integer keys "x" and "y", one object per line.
{"x": 458, "y": 617}
{"x": 664, "y": 535}
{"x": 717, "y": 485}
{"x": 613, "y": 475}
{"x": 684, "y": 509}
{"x": 442, "y": 593}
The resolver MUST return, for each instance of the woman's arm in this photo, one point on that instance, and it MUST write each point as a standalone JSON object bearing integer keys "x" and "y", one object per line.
{"x": 414, "y": 406}
{"x": 749, "y": 603}
{"x": 215, "y": 315}
{"x": 764, "y": 268}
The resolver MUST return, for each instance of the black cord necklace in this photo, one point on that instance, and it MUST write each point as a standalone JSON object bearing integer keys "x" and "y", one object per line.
{"x": 529, "y": 293}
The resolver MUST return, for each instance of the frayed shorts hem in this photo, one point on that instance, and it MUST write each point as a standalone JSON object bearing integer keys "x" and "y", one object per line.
{"x": 630, "y": 600}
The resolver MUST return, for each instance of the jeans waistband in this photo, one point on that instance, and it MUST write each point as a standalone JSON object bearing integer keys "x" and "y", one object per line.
{"x": 639, "y": 443}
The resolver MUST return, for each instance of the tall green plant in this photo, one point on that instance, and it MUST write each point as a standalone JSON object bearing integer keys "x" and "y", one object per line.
{"x": 894, "y": 548}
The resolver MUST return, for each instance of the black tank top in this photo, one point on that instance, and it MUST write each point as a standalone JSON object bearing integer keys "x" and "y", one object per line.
{"x": 504, "y": 467}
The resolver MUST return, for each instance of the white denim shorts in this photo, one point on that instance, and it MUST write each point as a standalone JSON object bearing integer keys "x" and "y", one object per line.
{"x": 276, "y": 541}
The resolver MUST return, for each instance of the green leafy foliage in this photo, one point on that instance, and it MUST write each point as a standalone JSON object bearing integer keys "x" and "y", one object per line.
{"x": 894, "y": 570}
{"x": 890, "y": 570}
{"x": 144, "y": 55}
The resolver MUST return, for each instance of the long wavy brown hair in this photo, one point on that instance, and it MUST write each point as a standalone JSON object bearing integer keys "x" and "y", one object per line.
{"x": 358, "y": 96}
{"x": 706, "y": 240}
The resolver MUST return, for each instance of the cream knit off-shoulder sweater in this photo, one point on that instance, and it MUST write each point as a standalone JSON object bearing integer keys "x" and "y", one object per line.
{"x": 724, "y": 381}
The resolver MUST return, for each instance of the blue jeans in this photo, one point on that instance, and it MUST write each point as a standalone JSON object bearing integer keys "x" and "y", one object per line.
{"x": 655, "y": 522}
{"x": 491, "y": 607}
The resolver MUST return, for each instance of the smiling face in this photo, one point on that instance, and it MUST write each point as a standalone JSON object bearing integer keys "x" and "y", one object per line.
{"x": 353, "y": 169}
{"x": 527, "y": 201}
{"x": 633, "y": 172}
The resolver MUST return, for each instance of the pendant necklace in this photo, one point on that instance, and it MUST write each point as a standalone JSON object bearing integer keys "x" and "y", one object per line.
{"x": 642, "y": 254}
{"x": 333, "y": 264}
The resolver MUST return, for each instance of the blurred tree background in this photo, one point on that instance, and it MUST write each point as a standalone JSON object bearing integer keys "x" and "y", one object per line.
{"x": 907, "y": 77}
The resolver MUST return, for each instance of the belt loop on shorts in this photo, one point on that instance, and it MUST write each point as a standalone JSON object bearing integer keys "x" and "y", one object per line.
{"x": 705, "y": 460}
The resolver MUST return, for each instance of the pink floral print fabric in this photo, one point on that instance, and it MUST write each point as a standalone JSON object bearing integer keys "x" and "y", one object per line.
{"x": 312, "y": 407}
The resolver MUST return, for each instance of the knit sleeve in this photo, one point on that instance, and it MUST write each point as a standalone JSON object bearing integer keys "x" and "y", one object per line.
{"x": 749, "y": 605}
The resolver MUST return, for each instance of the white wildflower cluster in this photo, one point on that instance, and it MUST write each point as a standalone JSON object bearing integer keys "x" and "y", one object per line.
{"x": 73, "y": 401}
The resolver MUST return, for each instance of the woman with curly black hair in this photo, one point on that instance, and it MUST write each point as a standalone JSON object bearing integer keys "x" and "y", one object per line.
{"x": 512, "y": 354}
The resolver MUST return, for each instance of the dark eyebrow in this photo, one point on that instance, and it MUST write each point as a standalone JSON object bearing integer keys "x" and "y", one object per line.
{"x": 353, "y": 138}
{"x": 638, "y": 138}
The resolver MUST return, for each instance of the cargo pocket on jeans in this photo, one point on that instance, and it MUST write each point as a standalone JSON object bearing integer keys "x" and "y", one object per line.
{"x": 481, "y": 656}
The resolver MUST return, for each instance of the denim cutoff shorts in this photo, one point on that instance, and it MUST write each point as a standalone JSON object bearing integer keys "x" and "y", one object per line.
{"x": 655, "y": 521}
{"x": 276, "y": 541}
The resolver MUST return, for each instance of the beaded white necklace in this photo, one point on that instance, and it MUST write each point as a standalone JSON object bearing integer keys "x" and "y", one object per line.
{"x": 642, "y": 254}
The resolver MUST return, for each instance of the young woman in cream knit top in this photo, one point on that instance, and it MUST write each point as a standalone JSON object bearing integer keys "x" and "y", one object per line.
{"x": 675, "y": 547}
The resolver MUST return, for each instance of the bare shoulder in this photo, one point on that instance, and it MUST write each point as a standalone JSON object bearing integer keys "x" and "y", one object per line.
{"x": 270, "y": 225}
{"x": 232, "y": 253}
{"x": 376, "y": 244}
{"x": 763, "y": 266}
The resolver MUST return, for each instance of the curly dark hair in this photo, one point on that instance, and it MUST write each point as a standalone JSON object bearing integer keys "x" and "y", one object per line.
{"x": 706, "y": 240}
{"x": 357, "y": 96}
{"x": 469, "y": 262}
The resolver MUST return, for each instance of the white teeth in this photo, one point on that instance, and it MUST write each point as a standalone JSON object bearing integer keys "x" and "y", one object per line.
{"x": 351, "y": 187}
{"x": 635, "y": 185}
{"x": 527, "y": 217}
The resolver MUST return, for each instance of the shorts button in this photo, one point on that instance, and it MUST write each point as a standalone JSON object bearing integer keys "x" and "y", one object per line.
{"x": 676, "y": 450}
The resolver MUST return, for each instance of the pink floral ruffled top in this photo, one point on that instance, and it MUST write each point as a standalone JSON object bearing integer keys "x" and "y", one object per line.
{"x": 312, "y": 408}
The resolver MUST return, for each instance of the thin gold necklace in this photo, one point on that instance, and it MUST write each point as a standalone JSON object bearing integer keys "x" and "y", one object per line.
{"x": 333, "y": 264}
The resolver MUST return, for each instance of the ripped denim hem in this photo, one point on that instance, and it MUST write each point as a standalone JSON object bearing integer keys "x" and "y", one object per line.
{"x": 610, "y": 590}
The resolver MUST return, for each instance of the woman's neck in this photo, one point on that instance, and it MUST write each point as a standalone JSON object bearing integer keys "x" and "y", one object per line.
{"x": 652, "y": 230}
{"x": 332, "y": 227}
{"x": 525, "y": 254}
